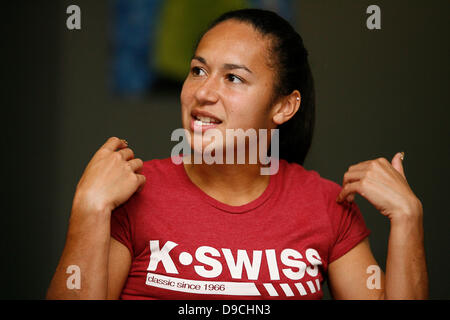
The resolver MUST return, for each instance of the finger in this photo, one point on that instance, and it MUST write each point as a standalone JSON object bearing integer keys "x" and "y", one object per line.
{"x": 365, "y": 165}
{"x": 126, "y": 153}
{"x": 349, "y": 189}
{"x": 397, "y": 163}
{"x": 136, "y": 164}
{"x": 141, "y": 181}
{"x": 114, "y": 143}
{"x": 360, "y": 166}
{"x": 350, "y": 197}
{"x": 353, "y": 175}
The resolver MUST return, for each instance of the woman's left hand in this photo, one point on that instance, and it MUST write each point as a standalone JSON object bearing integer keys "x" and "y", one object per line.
{"x": 384, "y": 185}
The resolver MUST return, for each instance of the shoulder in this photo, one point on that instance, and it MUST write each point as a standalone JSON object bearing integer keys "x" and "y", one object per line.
{"x": 162, "y": 174}
{"x": 160, "y": 167}
{"x": 163, "y": 178}
{"x": 314, "y": 190}
{"x": 296, "y": 176}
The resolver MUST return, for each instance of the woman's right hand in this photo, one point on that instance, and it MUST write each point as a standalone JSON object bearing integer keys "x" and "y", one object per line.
{"x": 111, "y": 177}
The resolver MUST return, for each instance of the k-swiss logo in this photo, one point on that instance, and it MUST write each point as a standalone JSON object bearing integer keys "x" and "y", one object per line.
{"x": 210, "y": 263}
{"x": 294, "y": 266}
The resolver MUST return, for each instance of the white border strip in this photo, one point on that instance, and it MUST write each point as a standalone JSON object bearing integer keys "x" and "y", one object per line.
{"x": 202, "y": 287}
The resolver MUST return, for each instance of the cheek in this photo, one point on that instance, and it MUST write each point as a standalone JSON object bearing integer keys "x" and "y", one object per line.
{"x": 248, "y": 111}
{"x": 185, "y": 94}
{"x": 185, "y": 100}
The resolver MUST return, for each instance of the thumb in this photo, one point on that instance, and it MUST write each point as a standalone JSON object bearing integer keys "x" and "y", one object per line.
{"x": 397, "y": 163}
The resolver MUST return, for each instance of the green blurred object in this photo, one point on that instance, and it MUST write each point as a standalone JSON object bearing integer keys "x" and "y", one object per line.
{"x": 181, "y": 24}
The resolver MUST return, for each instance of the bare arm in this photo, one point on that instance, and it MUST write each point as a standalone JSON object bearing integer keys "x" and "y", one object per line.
{"x": 87, "y": 247}
{"x": 406, "y": 273}
{"x": 348, "y": 278}
{"x": 384, "y": 184}
{"x": 103, "y": 261}
{"x": 119, "y": 267}
{"x": 108, "y": 181}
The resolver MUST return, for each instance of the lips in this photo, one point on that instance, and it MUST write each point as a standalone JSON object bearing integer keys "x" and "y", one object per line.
{"x": 205, "y": 120}
{"x": 205, "y": 117}
{"x": 202, "y": 120}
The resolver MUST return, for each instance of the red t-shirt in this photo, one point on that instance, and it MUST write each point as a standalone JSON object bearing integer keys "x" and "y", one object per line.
{"x": 187, "y": 245}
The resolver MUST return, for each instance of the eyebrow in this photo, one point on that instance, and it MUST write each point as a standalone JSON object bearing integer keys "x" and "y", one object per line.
{"x": 227, "y": 66}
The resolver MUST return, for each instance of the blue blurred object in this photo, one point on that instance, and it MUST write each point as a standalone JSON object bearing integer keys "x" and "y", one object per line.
{"x": 133, "y": 38}
{"x": 284, "y": 8}
{"x": 134, "y": 31}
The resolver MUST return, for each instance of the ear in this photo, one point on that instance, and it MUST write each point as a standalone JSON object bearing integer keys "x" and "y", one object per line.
{"x": 286, "y": 107}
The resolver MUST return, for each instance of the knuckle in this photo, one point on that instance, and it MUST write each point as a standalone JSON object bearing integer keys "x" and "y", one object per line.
{"x": 137, "y": 179}
{"x": 128, "y": 165}
{"x": 101, "y": 152}
{"x": 346, "y": 176}
{"x": 113, "y": 139}
{"x": 368, "y": 174}
{"x": 117, "y": 156}
{"x": 363, "y": 183}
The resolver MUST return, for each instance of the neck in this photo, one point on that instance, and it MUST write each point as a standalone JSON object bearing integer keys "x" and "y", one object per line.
{"x": 233, "y": 184}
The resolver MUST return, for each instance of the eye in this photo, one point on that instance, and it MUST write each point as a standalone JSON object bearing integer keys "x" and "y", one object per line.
{"x": 197, "y": 71}
{"x": 233, "y": 78}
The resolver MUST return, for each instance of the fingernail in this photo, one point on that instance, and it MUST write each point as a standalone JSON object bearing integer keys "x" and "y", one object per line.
{"x": 403, "y": 155}
{"x": 125, "y": 141}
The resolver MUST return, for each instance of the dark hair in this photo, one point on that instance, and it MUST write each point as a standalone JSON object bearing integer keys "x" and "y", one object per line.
{"x": 294, "y": 73}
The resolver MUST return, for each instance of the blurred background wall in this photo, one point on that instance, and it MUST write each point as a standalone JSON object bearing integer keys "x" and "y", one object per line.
{"x": 378, "y": 92}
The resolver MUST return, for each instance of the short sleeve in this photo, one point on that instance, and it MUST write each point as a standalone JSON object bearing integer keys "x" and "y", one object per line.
{"x": 347, "y": 223}
{"x": 121, "y": 227}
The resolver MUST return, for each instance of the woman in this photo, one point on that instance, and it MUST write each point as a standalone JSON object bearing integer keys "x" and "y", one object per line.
{"x": 160, "y": 230}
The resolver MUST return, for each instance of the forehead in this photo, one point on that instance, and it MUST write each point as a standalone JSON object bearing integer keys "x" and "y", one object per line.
{"x": 235, "y": 42}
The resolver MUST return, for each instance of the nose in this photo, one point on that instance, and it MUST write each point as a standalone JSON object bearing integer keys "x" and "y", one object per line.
{"x": 207, "y": 91}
